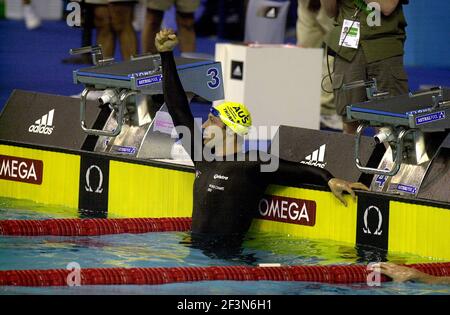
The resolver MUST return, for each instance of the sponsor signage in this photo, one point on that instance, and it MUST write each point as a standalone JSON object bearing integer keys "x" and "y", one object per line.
{"x": 271, "y": 12}
{"x": 49, "y": 120}
{"x": 424, "y": 119}
{"x": 406, "y": 188}
{"x": 21, "y": 170}
{"x": 316, "y": 158}
{"x": 237, "y": 70}
{"x": 328, "y": 150}
{"x": 372, "y": 221}
{"x": 44, "y": 125}
{"x": 150, "y": 80}
{"x": 94, "y": 182}
{"x": 124, "y": 149}
{"x": 287, "y": 210}
{"x": 141, "y": 74}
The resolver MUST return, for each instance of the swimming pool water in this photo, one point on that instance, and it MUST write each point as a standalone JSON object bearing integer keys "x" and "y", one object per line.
{"x": 172, "y": 249}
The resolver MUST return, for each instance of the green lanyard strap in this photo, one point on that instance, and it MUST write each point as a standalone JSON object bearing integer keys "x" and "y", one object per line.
{"x": 362, "y": 5}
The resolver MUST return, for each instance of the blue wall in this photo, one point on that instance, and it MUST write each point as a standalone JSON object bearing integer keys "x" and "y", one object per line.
{"x": 428, "y": 42}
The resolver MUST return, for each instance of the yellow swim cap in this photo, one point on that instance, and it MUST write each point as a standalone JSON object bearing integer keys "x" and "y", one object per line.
{"x": 234, "y": 115}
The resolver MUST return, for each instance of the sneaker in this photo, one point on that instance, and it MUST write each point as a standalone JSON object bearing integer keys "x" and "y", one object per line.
{"x": 331, "y": 121}
{"x": 32, "y": 21}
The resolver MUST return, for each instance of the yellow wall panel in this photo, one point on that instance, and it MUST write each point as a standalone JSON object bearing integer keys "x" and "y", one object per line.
{"x": 419, "y": 229}
{"x": 144, "y": 191}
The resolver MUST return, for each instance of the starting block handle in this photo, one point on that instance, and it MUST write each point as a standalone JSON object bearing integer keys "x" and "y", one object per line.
{"x": 398, "y": 158}
{"x": 120, "y": 114}
{"x": 96, "y": 53}
{"x": 370, "y": 86}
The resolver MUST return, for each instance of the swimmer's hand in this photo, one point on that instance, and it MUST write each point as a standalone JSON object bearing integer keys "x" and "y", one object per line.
{"x": 166, "y": 40}
{"x": 401, "y": 273}
{"x": 338, "y": 186}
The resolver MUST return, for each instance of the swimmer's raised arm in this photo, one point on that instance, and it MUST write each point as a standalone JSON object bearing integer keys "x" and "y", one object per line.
{"x": 174, "y": 95}
{"x": 166, "y": 40}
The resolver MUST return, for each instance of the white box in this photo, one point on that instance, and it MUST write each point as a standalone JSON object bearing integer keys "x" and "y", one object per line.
{"x": 280, "y": 84}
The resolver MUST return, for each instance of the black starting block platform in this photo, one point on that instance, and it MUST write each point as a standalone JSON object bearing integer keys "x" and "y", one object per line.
{"x": 203, "y": 77}
{"x": 427, "y": 110}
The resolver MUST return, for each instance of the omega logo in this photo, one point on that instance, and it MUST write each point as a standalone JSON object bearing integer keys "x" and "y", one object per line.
{"x": 366, "y": 229}
{"x": 88, "y": 187}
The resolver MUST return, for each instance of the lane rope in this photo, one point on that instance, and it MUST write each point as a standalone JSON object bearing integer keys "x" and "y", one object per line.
{"x": 341, "y": 274}
{"x": 335, "y": 274}
{"x": 91, "y": 227}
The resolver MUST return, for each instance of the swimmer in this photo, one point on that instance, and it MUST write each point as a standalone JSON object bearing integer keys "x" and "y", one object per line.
{"x": 227, "y": 191}
{"x": 401, "y": 274}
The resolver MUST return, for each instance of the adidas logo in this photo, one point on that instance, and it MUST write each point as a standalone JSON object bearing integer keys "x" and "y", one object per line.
{"x": 317, "y": 158}
{"x": 43, "y": 125}
{"x": 237, "y": 72}
{"x": 271, "y": 13}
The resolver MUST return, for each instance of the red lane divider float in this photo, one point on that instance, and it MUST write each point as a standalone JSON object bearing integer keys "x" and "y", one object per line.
{"x": 140, "y": 276}
{"x": 90, "y": 227}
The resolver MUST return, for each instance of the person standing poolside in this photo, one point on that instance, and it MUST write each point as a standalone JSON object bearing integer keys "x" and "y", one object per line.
{"x": 364, "y": 50}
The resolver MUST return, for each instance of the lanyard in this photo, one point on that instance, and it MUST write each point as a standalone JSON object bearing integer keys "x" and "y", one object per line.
{"x": 355, "y": 15}
{"x": 361, "y": 5}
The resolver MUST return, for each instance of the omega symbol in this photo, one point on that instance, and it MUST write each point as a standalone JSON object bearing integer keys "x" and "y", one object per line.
{"x": 366, "y": 229}
{"x": 88, "y": 187}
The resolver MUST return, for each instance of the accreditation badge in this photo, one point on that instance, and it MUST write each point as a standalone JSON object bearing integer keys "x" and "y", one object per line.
{"x": 350, "y": 34}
